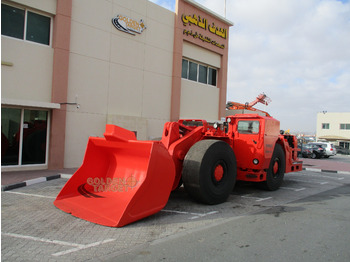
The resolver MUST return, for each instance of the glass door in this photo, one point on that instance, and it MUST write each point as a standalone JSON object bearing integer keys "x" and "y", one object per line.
{"x": 10, "y": 136}
{"x": 34, "y": 137}
{"x": 23, "y": 136}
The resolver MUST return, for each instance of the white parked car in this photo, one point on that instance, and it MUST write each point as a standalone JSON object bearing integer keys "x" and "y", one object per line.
{"x": 330, "y": 149}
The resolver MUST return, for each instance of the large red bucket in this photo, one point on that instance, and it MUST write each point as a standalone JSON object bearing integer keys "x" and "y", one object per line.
{"x": 120, "y": 181}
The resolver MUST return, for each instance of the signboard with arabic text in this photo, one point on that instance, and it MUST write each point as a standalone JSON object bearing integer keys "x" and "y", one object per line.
{"x": 203, "y": 23}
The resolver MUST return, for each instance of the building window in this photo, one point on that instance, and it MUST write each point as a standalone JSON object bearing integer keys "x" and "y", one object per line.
{"x": 12, "y": 21}
{"x": 23, "y": 136}
{"x": 24, "y": 24}
{"x": 212, "y": 77}
{"x": 203, "y": 74}
{"x": 325, "y": 125}
{"x": 344, "y": 126}
{"x": 184, "y": 73}
{"x": 345, "y": 145}
{"x": 192, "y": 71}
{"x": 38, "y": 28}
{"x": 198, "y": 72}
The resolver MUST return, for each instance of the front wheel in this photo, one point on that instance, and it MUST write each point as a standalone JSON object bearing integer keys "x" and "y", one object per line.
{"x": 275, "y": 173}
{"x": 209, "y": 171}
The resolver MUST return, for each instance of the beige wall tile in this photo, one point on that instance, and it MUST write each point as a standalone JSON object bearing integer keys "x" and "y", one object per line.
{"x": 125, "y": 91}
{"x": 199, "y": 101}
{"x": 88, "y": 81}
{"x": 30, "y": 76}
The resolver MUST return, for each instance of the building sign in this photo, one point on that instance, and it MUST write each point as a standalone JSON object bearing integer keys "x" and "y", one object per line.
{"x": 203, "y": 23}
{"x": 128, "y": 25}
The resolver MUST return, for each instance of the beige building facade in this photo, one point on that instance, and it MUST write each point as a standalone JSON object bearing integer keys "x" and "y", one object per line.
{"x": 69, "y": 67}
{"x": 334, "y": 127}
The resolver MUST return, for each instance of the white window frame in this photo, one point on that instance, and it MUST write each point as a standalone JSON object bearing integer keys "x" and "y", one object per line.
{"x": 346, "y": 126}
{"x": 205, "y": 65}
{"x": 25, "y": 23}
{"x": 326, "y": 126}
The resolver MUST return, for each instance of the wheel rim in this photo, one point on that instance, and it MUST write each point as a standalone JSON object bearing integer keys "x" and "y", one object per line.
{"x": 218, "y": 173}
{"x": 276, "y": 168}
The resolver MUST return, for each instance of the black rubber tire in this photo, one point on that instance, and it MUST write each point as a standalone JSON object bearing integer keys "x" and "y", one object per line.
{"x": 198, "y": 173}
{"x": 275, "y": 179}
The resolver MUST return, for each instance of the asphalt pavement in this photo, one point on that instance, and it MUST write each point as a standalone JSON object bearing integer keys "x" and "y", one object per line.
{"x": 305, "y": 220}
{"x": 315, "y": 228}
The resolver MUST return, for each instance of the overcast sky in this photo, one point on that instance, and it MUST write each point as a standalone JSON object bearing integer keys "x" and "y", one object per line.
{"x": 297, "y": 52}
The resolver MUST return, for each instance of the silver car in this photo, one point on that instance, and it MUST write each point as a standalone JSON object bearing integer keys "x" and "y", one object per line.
{"x": 330, "y": 149}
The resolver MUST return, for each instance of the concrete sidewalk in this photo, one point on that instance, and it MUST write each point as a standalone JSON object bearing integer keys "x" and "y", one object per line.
{"x": 334, "y": 164}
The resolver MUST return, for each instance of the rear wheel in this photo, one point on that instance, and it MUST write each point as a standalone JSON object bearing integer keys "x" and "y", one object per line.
{"x": 313, "y": 155}
{"x": 275, "y": 173}
{"x": 209, "y": 171}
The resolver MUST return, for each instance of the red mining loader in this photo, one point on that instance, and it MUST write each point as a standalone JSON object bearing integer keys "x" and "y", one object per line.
{"x": 123, "y": 180}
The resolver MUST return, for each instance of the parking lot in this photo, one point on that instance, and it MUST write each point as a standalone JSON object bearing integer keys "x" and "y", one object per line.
{"x": 33, "y": 229}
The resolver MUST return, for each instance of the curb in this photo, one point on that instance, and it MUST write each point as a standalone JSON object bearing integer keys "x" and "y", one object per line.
{"x": 327, "y": 171}
{"x": 33, "y": 181}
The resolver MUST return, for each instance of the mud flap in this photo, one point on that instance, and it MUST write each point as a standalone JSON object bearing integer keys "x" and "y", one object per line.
{"x": 120, "y": 181}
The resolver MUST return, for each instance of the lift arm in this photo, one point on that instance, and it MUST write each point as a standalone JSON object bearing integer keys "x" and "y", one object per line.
{"x": 262, "y": 98}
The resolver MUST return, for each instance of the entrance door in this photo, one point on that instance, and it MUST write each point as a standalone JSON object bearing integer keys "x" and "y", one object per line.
{"x": 23, "y": 136}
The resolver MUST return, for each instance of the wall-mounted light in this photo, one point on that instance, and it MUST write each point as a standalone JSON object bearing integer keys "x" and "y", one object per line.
{"x": 72, "y": 104}
{"x": 5, "y": 63}
{"x": 76, "y": 104}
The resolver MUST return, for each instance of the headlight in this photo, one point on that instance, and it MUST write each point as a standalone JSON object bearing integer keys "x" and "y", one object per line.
{"x": 255, "y": 161}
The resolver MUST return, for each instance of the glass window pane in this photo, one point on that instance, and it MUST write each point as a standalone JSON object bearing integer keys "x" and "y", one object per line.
{"x": 34, "y": 137}
{"x": 203, "y": 74}
{"x": 248, "y": 127}
{"x": 325, "y": 126}
{"x": 184, "y": 73}
{"x": 212, "y": 77}
{"x": 38, "y": 28}
{"x": 12, "y": 21}
{"x": 10, "y": 134}
{"x": 193, "y": 71}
